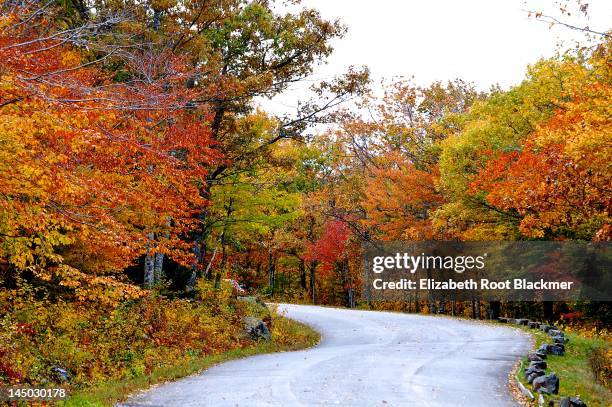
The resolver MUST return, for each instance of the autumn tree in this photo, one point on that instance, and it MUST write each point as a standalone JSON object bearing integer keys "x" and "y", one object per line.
{"x": 240, "y": 50}
{"x": 557, "y": 182}
{"x": 86, "y": 161}
{"x": 500, "y": 130}
{"x": 395, "y": 151}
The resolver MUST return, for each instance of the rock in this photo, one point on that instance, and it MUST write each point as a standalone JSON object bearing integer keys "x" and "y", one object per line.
{"x": 556, "y": 349}
{"x": 552, "y": 349}
{"x": 543, "y": 349}
{"x": 533, "y": 325}
{"x": 540, "y": 364}
{"x": 522, "y": 321}
{"x": 534, "y": 357}
{"x": 559, "y": 339}
{"x": 547, "y": 384}
{"x": 546, "y": 328}
{"x": 255, "y": 307}
{"x": 61, "y": 374}
{"x": 256, "y": 328}
{"x": 571, "y": 402}
{"x": 541, "y": 354}
{"x": 554, "y": 332}
{"x": 534, "y": 375}
{"x": 502, "y": 320}
{"x": 534, "y": 370}
{"x": 576, "y": 402}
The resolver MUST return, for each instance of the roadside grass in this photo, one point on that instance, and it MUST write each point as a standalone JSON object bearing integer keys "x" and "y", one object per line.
{"x": 287, "y": 335}
{"x": 573, "y": 369}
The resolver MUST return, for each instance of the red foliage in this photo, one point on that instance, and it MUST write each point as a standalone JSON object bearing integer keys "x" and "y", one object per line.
{"x": 572, "y": 316}
{"x": 331, "y": 246}
{"x": 26, "y": 329}
{"x": 7, "y": 370}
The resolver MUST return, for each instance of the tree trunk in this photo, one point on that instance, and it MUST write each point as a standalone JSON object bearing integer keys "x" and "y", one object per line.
{"x": 313, "y": 283}
{"x": 156, "y": 19}
{"x": 271, "y": 272}
{"x": 303, "y": 274}
{"x": 347, "y": 284}
{"x": 208, "y": 272}
{"x": 158, "y": 268}
{"x": 547, "y": 307}
{"x": 197, "y": 251}
{"x": 442, "y": 306}
{"x": 149, "y": 263}
{"x": 495, "y": 307}
{"x": 217, "y": 281}
{"x": 223, "y": 240}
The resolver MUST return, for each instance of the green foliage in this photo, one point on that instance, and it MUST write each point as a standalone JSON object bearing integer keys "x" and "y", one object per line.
{"x": 500, "y": 123}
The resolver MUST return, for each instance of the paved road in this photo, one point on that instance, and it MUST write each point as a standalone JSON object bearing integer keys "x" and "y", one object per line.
{"x": 365, "y": 359}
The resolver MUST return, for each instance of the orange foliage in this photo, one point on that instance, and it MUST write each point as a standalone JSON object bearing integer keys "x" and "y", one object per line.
{"x": 398, "y": 198}
{"x": 560, "y": 180}
{"x": 90, "y": 166}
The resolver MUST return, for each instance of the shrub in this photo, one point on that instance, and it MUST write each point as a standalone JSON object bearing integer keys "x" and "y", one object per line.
{"x": 600, "y": 360}
{"x": 95, "y": 343}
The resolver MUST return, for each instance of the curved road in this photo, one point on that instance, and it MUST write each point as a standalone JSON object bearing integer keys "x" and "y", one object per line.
{"x": 365, "y": 359}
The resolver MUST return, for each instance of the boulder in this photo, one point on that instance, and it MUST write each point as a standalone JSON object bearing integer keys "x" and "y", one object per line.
{"x": 553, "y": 332}
{"x": 547, "y": 384}
{"x": 533, "y": 325}
{"x": 540, "y": 364}
{"x": 522, "y": 321}
{"x": 541, "y": 354}
{"x": 502, "y": 320}
{"x": 534, "y": 357}
{"x": 571, "y": 402}
{"x": 256, "y": 328}
{"x": 546, "y": 328}
{"x": 543, "y": 349}
{"x": 556, "y": 349}
{"x": 255, "y": 307}
{"x": 61, "y": 374}
{"x": 534, "y": 372}
{"x": 552, "y": 349}
{"x": 534, "y": 375}
{"x": 559, "y": 339}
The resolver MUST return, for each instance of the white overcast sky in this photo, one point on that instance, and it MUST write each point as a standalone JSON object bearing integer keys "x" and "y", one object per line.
{"x": 483, "y": 41}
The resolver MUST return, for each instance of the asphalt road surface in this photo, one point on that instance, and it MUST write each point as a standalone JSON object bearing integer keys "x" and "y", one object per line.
{"x": 364, "y": 359}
